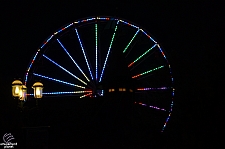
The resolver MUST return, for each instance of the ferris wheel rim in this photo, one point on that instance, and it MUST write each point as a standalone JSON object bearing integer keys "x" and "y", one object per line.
{"x": 39, "y": 51}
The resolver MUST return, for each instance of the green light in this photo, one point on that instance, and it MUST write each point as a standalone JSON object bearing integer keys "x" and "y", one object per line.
{"x": 131, "y": 41}
{"x": 151, "y": 70}
{"x": 147, "y": 72}
{"x": 144, "y": 53}
{"x": 108, "y": 52}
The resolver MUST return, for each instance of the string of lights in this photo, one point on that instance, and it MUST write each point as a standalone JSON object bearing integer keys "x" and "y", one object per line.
{"x": 131, "y": 41}
{"x": 85, "y": 95}
{"x": 141, "y": 56}
{"x": 108, "y": 51}
{"x": 59, "y": 93}
{"x": 159, "y": 88}
{"x": 147, "y": 72}
{"x": 26, "y": 76}
{"x": 65, "y": 70}
{"x": 96, "y": 51}
{"x": 153, "y": 107}
{"x": 73, "y": 60}
{"x": 58, "y": 80}
{"x": 78, "y": 36}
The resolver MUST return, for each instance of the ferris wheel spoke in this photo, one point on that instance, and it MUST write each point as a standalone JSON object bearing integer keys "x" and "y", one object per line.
{"x": 84, "y": 53}
{"x": 153, "y": 88}
{"x": 73, "y": 92}
{"x": 131, "y": 41}
{"x": 85, "y": 95}
{"x": 147, "y": 72}
{"x": 96, "y": 52}
{"x": 65, "y": 70}
{"x": 73, "y": 60}
{"x": 64, "y": 93}
{"x": 56, "y": 80}
{"x": 110, "y": 46}
{"x": 142, "y": 55}
{"x": 150, "y": 106}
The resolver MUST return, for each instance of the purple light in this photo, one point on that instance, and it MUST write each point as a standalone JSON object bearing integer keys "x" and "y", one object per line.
{"x": 159, "y": 88}
{"x": 154, "y": 107}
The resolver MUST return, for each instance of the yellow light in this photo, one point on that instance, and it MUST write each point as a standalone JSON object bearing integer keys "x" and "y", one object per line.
{"x": 17, "y": 90}
{"x": 38, "y": 92}
{"x": 38, "y": 89}
{"x": 16, "y": 87}
{"x": 21, "y": 94}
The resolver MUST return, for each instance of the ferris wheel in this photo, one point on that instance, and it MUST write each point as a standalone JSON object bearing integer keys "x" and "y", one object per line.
{"x": 97, "y": 57}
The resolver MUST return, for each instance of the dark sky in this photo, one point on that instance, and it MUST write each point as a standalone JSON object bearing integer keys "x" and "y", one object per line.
{"x": 189, "y": 32}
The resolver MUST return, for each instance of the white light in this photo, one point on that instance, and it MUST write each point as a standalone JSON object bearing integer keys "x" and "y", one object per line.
{"x": 16, "y": 87}
{"x": 38, "y": 89}
{"x": 17, "y": 90}
{"x": 21, "y": 94}
{"x": 38, "y": 92}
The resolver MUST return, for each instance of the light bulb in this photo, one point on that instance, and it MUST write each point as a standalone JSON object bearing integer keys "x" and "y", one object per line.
{"x": 17, "y": 90}
{"x": 38, "y": 92}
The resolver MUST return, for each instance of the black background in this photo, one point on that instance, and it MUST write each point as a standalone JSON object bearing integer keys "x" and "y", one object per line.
{"x": 190, "y": 33}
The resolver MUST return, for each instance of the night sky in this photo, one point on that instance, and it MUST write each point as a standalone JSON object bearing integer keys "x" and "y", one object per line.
{"x": 190, "y": 33}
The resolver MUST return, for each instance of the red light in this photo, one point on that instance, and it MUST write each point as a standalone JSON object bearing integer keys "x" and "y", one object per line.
{"x": 136, "y": 76}
{"x": 131, "y": 64}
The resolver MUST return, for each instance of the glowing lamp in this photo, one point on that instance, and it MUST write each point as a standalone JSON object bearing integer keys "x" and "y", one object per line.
{"x": 38, "y": 88}
{"x": 23, "y": 93}
{"x": 16, "y": 88}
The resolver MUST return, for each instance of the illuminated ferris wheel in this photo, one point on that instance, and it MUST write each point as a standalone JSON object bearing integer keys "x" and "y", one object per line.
{"x": 98, "y": 56}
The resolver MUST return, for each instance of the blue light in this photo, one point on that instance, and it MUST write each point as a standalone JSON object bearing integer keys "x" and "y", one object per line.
{"x": 128, "y": 23}
{"x": 58, "y": 80}
{"x": 149, "y": 36}
{"x": 73, "y": 60}
{"x": 30, "y": 67}
{"x": 42, "y": 46}
{"x": 49, "y": 38}
{"x": 65, "y": 70}
{"x": 58, "y": 93}
{"x": 84, "y": 53}
{"x": 162, "y": 52}
{"x": 96, "y": 51}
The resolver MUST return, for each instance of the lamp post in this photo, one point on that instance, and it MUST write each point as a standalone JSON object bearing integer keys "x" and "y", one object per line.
{"x": 19, "y": 91}
{"x": 16, "y": 88}
{"x": 38, "y": 88}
